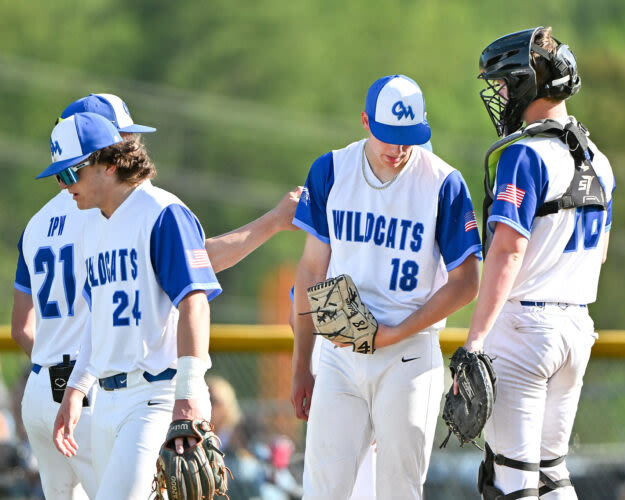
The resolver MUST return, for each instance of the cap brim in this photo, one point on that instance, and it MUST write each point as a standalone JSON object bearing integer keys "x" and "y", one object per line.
{"x": 137, "y": 129}
{"x": 403, "y": 136}
{"x": 61, "y": 165}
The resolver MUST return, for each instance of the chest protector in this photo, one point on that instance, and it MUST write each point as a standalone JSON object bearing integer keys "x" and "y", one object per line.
{"x": 585, "y": 189}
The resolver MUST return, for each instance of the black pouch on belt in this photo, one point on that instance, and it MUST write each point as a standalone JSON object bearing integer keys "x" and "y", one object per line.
{"x": 59, "y": 375}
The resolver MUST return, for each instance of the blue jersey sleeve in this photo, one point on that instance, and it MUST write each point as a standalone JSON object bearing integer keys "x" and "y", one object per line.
{"x": 178, "y": 255}
{"x": 22, "y": 276}
{"x": 310, "y": 214}
{"x": 456, "y": 227}
{"x": 522, "y": 183}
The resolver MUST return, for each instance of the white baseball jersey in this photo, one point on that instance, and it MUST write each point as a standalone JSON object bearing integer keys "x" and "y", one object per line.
{"x": 50, "y": 264}
{"x": 140, "y": 263}
{"x": 397, "y": 243}
{"x": 50, "y": 269}
{"x": 565, "y": 250}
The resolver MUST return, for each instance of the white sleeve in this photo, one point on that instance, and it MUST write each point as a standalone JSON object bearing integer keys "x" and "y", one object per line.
{"x": 81, "y": 378}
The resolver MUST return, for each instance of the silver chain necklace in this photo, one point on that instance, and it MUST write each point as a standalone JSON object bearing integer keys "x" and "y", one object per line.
{"x": 364, "y": 174}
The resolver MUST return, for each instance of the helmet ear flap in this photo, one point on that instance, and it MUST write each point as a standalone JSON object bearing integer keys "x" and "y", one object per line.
{"x": 563, "y": 81}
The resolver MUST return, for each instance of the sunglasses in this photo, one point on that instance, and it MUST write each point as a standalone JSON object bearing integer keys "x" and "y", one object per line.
{"x": 69, "y": 176}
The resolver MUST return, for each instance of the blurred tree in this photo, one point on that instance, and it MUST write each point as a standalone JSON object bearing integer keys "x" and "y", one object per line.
{"x": 247, "y": 94}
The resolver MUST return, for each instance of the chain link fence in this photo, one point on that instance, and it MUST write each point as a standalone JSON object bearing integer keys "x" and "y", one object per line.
{"x": 261, "y": 381}
{"x": 597, "y": 449}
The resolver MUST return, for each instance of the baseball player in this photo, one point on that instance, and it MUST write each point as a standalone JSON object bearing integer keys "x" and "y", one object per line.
{"x": 45, "y": 338}
{"x": 148, "y": 284}
{"x": 548, "y": 232}
{"x": 400, "y": 222}
{"x": 48, "y": 327}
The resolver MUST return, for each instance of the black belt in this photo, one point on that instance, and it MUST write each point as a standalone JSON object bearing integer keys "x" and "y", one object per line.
{"x": 120, "y": 380}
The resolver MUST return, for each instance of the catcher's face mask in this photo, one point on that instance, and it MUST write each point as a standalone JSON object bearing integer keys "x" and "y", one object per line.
{"x": 69, "y": 176}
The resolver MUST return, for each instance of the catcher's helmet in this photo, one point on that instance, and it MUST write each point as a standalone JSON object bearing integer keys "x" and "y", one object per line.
{"x": 507, "y": 61}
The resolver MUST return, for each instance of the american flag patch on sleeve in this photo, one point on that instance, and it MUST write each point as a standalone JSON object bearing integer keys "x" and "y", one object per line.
{"x": 469, "y": 221}
{"x": 511, "y": 194}
{"x": 198, "y": 258}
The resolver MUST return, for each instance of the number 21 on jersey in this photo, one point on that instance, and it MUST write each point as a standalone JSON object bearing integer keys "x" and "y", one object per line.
{"x": 45, "y": 262}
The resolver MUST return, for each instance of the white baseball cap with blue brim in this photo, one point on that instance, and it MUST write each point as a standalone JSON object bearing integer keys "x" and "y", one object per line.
{"x": 74, "y": 139}
{"x": 396, "y": 110}
{"x": 110, "y": 106}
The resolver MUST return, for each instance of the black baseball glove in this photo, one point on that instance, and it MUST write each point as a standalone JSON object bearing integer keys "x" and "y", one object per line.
{"x": 466, "y": 413}
{"x": 199, "y": 473}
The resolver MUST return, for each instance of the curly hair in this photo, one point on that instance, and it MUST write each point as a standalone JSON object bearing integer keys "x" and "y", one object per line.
{"x": 131, "y": 159}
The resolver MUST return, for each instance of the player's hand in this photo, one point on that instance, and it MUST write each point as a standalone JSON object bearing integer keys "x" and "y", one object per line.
{"x": 66, "y": 420}
{"x": 284, "y": 211}
{"x": 301, "y": 393}
{"x": 476, "y": 345}
{"x": 340, "y": 344}
{"x": 386, "y": 335}
{"x": 186, "y": 409}
{"x": 473, "y": 345}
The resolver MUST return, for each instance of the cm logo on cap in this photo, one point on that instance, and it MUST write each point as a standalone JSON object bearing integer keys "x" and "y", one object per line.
{"x": 400, "y": 110}
{"x": 55, "y": 147}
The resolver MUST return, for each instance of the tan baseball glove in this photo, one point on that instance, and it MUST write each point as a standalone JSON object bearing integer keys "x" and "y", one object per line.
{"x": 339, "y": 314}
{"x": 199, "y": 473}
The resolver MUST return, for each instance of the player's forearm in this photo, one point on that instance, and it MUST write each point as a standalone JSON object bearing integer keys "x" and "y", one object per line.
{"x": 23, "y": 321}
{"x": 500, "y": 271}
{"x": 192, "y": 341}
{"x": 461, "y": 288}
{"x": 81, "y": 379}
{"x": 304, "y": 339}
{"x": 230, "y": 248}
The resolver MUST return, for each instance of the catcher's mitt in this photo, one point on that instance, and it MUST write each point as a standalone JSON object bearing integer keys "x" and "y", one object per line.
{"x": 466, "y": 413}
{"x": 339, "y": 315}
{"x": 199, "y": 473}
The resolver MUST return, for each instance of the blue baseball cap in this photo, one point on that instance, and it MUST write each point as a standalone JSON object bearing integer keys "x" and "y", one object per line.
{"x": 109, "y": 106}
{"x": 396, "y": 110}
{"x": 75, "y": 138}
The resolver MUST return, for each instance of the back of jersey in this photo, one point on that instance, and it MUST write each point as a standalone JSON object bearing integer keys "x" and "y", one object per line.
{"x": 565, "y": 249}
{"x": 51, "y": 269}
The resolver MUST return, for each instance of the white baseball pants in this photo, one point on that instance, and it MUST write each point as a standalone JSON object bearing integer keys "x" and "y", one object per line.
{"x": 358, "y": 396}
{"x": 541, "y": 354}
{"x": 62, "y": 478}
{"x": 129, "y": 427}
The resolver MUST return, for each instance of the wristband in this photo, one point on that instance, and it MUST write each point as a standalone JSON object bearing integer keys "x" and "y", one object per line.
{"x": 190, "y": 382}
{"x": 82, "y": 382}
